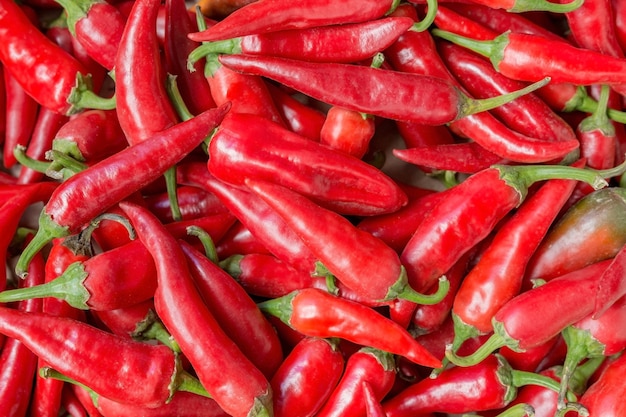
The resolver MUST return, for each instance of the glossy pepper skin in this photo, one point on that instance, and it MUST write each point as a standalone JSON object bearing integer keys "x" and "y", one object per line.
{"x": 604, "y": 397}
{"x": 216, "y": 359}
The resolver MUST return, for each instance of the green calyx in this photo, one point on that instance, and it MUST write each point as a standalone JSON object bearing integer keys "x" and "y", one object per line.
{"x": 385, "y": 359}
{"x": 67, "y": 286}
{"x": 82, "y": 97}
{"x": 226, "y": 46}
{"x": 262, "y": 406}
{"x": 599, "y": 119}
{"x": 280, "y": 307}
{"x": 492, "y": 49}
{"x": 76, "y": 10}
{"x": 232, "y": 265}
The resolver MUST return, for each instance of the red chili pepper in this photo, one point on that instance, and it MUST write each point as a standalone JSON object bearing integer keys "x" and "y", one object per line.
{"x": 18, "y": 364}
{"x": 80, "y": 199}
{"x": 307, "y": 377}
{"x": 301, "y": 118}
{"x": 115, "y": 367}
{"x": 335, "y": 43}
{"x": 317, "y": 313}
{"x": 193, "y": 202}
{"x": 238, "y": 240}
{"x": 98, "y": 26}
{"x": 367, "y": 366}
{"x": 604, "y": 397}
{"x": 590, "y": 231}
{"x": 533, "y": 317}
{"x": 518, "y": 6}
{"x": 113, "y": 279}
{"x": 531, "y": 359}
{"x": 21, "y": 115}
{"x": 271, "y": 16}
{"x": 497, "y": 276}
{"x": 450, "y": 20}
{"x": 417, "y": 98}
{"x": 612, "y": 284}
{"x": 347, "y": 131}
{"x": 182, "y": 404}
{"x": 249, "y": 329}
{"x": 73, "y": 405}
{"x": 215, "y": 358}
{"x": 39, "y": 58}
{"x": 143, "y": 106}
{"x": 528, "y": 115}
{"x": 193, "y": 86}
{"x": 619, "y": 16}
{"x": 346, "y": 252}
{"x": 264, "y": 275}
{"x": 488, "y": 385}
{"x": 332, "y": 178}
{"x": 258, "y": 217}
{"x": 527, "y": 57}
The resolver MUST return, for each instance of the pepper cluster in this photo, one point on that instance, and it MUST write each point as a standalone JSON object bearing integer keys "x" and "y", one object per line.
{"x": 330, "y": 208}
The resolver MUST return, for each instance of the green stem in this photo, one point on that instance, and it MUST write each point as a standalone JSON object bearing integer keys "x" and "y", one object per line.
{"x": 518, "y": 410}
{"x": 232, "y": 265}
{"x": 226, "y": 46}
{"x": 151, "y": 328}
{"x": 68, "y": 286}
{"x": 47, "y": 231}
{"x": 494, "y": 342}
{"x": 83, "y": 97}
{"x": 431, "y": 12}
{"x": 207, "y": 242}
{"x": 48, "y": 372}
{"x": 188, "y": 383}
{"x": 410, "y": 294}
{"x": 63, "y": 164}
{"x": 492, "y": 49}
{"x": 115, "y": 218}
{"x": 599, "y": 119}
{"x": 177, "y": 100}
{"x": 584, "y": 103}
{"x": 279, "y": 307}
{"x": 20, "y": 155}
{"x": 171, "y": 186}
{"x": 544, "y": 6}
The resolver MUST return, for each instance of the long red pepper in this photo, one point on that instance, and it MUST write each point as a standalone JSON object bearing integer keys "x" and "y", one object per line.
{"x": 116, "y": 367}
{"x": 182, "y": 404}
{"x": 233, "y": 381}
{"x": 249, "y": 329}
{"x": 360, "y": 261}
{"x": 527, "y": 57}
{"x": 590, "y": 231}
{"x": 497, "y": 276}
{"x": 337, "y": 43}
{"x": 265, "y": 151}
{"x": 417, "y": 98}
{"x": 38, "y": 58}
{"x": 366, "y": 366}
{"x": 535, "y": 316}
{"x": 18, "y": 364}
{"x": 488, "y": 385}
{"x": 317, "y": 313}
{"x": 121, "y": 174}
{"x": 469, "y": 212}
{"x": 307, "y": 377}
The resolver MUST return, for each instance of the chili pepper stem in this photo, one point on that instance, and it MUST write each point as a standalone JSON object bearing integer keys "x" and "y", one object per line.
{"x": 48, "y": 372}
{"x": 47, "y": 231}
{"x": 82, "y": 97}
{"x": 545, "y": 6}
{"x": 63, "y": 165}
{"x": 20, "y": 155}
{"x": 186, "y": 382}
{"x": 599, "y": 119}
{"x": 518, "y": 410}
{"x": 150, "y": 328}
{"x": 207, "y": 242}
{"x": 492, "y": 49}
{"x": 279, "y": 307}
{"x": 497, "y": 340}
{"x": 471, "y": 106}
{"x": 226, "y": 46}
{"x": 68, "y": 286}
{"x": 431, "y": 12}
{"x": 408, "y": 293}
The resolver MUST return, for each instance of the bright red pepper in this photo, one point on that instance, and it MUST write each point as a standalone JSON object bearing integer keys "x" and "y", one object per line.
{"x": 39, "y": 57}
{"x": 605, "y": 396}
{"x": 359, "y": 260}
{"x": 330, "y": 177}
{"x": 367, "y": 366}
{"x": 233, "y": 381}
{"x": 80, "y": 199}
{"x": 317, "y": 313}
{"x": 307, "y": 377}
{"x": 415, "y": 97}
{"x": 348, "y": 131}
{"x": 182, "y": 404}
{"x": 21, "y": 115}
{"x": 301, "y": 118}
{"x": 193, "y": 202}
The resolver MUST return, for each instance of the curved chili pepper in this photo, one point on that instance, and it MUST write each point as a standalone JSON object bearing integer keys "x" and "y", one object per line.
{"x": 264, "y": 275}
{"x": 330, "y": 177}
{"x": 336, "y": 43}
{"x": 143, "y": 106}
{"x": 135, "y": 372}
{"x": 366, "y": 366}
{"x": 521, "y": 323}
{"x": 301, "y": 118}
{"x": 527, "y": 57}
{"x": 121, "y": 174}
{"x": 39, "y": 58}
{"x": 307, "y": 377}
{"x": 317, "y": 313}
{"x": 357, "y": 87}
{"x": 468, "y": 211}
{"x": 346, "y": 252}
{"x": 98, "y": 27}
{"x": 271, "y": 16}
{"x": 249, "y": 329}
{"x": 592, "y": 338}
{"x": 528, "y": 114}
{"x": 262, "y": 221}
{"x": 18, "y": 362}
{"x": 216, "y": 359}
{"x": 21, "y": 115}
{"x": 590, "y": 231}
{"x": 497, "y": 276}
{"x": 416, "y": 52}
{"x": 113, "y": 279}
{"x": 454, "y": 389}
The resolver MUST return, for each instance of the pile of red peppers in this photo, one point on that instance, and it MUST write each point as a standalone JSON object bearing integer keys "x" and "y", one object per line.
{"x": 257, "y": 208}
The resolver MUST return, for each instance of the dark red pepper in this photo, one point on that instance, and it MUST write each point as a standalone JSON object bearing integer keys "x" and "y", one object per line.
{"x": 301, "y": 118}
